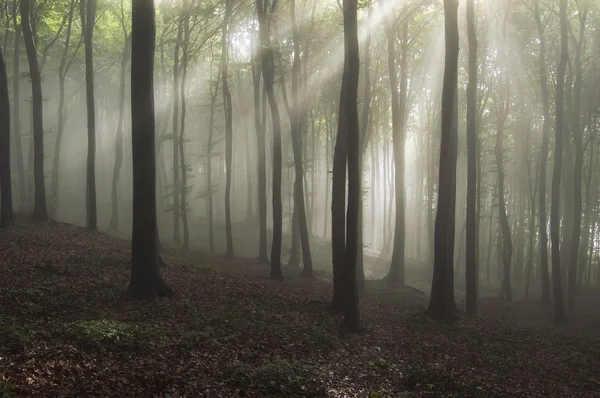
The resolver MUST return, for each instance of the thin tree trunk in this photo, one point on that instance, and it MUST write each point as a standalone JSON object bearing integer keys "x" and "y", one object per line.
{"x": 6, "y": 205}
{"x": 40, "y": 212}
{"x": 559, "y": 311}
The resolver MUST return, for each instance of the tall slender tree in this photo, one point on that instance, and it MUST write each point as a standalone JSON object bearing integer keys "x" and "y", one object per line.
{"x": 6, "y": 205}
{"x": 472, "y": 233}
{"x": 559, "y": 310}
{"x": 145, "y": 278}
{"x": 88, "y": 19}
{"x": 40, "y": 212}
{"x": 228, "y": 108}
{"x": 114, "y": 218}
{"x": 268, "y": 71}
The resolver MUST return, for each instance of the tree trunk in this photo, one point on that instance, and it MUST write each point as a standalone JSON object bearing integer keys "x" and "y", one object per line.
{"x": 114, "y": 219}
{"x": 439, "y": 305}
{"x": 259, "y": 126}
{"x": 227, "y": 107}
{"x": 16, "y": 111}
{"x": 176, "y": 183}
{"x": 349, "y": 121}
{"x": 6, "y": 205}
{"x": 40, "y": 212}
{"x": 543, "y": 224}
{"x": 145, "y": 278}
{"x": 184, "y": 64}
{"x": 268, "y": 66}
{"x": 559, "y": 311}
{"x": 472, "y": 234}
{"x": 88, "y": 18}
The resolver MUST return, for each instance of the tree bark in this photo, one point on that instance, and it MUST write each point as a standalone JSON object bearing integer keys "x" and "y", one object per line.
{"x": 439, "y": 305}
{"x": 145, "y": 278}
{"x": 348, "y": 101}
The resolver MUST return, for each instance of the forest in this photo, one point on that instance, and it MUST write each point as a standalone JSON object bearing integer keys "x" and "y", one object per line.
{"x": 337, "y": 198}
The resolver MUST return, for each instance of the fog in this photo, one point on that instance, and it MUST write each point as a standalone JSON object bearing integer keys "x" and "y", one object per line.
{"x": 509, "y": 79}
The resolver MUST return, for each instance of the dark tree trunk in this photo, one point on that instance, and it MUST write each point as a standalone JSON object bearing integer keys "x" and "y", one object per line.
{"x": 268, "y": 70}
{"x": 559, "y": 310}
{"x": 6, "y": 205}
{"x": 40, "y": 212}
{"x": 145, "y": 276}
{"x": 348, "y": 101}
{"x": 439, "y": 305}
{"x": 227, "y": 106}
{"x": 472, "y": 234}
{"x": 88, "y": 18}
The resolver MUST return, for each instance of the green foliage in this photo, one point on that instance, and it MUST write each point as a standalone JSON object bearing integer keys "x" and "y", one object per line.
{"x": 103, "y": 331}
{"x": 284, "y": 376}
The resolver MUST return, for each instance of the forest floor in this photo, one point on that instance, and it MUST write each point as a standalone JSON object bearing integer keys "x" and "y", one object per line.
{"x": 68, "y": 330}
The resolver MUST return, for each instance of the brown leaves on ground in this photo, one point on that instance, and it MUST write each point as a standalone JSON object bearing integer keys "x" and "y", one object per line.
{"x": 67, "y": 329}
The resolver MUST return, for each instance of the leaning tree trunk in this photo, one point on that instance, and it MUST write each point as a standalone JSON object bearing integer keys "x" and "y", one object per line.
{"x": 88, "y": 18}
{"x": 559, "y": 311}
{"x": 145, "y": 278}
{"x": 439, "y": 305}
{"x": 40, "y": 212}
{"x": 6, "y": 205}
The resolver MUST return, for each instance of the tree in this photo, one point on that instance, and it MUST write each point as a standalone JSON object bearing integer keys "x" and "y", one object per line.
{"x": 559, "y": 310}
{"x": 40, "y": 212}
{"x": 349, "y": 120}
{"x": 472, "y": 233}
{"x": 145, "y": 278}
{"x": 227, "y": 105}
{"x": 260, "y": 126}
{"x": 88, "y": 18}
{"x": 296, "y": 115}
{"x": 114, "y": 218}
{"x": 268, "y": 71}
{"x": 439, "y": 305}
{"x": 398, "y": 100}
{"x": 6, "y": 205}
